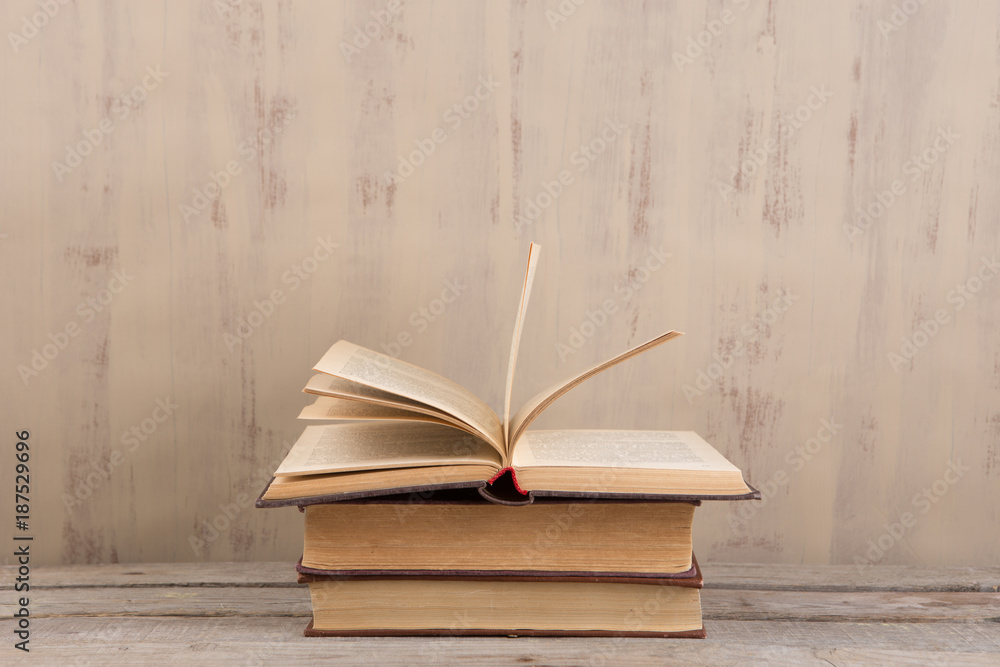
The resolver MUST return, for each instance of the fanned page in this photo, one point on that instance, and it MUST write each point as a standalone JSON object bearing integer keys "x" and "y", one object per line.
{"x": 534, "y": 407}
{"x": 374, "y": 369}
{"x": 529, "y": 276}
{"x": 351, "y": 447}
{"x": 326, "y": 407}
{"x": 322, "y": 384}
{"x": 329, "y": 386}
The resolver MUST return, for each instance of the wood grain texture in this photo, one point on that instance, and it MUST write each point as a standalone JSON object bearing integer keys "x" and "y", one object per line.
{"x": 741, "y": 605}
{"x": 260, "y": 641}
{"x": 729, "y": 576}
{"x": 704, "y": 161}
{"x": 119, "y": 614}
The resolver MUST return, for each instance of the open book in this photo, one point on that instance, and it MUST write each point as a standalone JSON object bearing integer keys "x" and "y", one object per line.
{"x": 410, "y": 429}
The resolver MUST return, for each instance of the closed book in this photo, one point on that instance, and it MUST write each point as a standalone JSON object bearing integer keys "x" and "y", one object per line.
{"x": 469, "y": 534}
{"x": 462, "y": 604}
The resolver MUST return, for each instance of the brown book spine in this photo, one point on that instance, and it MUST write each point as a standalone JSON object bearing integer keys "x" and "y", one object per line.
{"x": 691, "y": 578}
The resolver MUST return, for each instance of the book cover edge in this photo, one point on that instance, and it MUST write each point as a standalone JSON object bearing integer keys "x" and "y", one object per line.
{"x": 690, "y": 578}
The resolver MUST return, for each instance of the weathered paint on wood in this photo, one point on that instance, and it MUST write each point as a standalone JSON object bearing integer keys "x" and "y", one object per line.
{"x": 242, "y": 143}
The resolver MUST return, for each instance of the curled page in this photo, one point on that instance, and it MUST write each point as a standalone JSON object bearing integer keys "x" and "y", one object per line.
{"x": 539, "y": 402}
{"x": 328, "y": 407}
{"x": 374, "y": 369}
{"x": 339, "y": 448}
{"x": 332, "y": 386}
{"x": 529, "y": 276}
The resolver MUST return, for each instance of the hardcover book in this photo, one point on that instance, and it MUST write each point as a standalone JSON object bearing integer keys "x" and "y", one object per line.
{"x": 601, "y": 538}
{"x": 463, "y": 604}
{"x": 412, "y": 430}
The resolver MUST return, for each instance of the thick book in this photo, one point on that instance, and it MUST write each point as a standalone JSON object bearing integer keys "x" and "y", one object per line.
{"x": 463, "y": 604}
{"x": 600, "y": 538}
{"x": 413, "y": 430}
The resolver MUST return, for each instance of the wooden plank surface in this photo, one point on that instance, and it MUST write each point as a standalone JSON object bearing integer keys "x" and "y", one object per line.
{"x": 88, "y": 631}
{"x": 838, "y": 606}
{"x": 254, "y": 614}
{"x": 717, "y": 575}
{"x": 850, "y": 578}
{"x": 280, "y": 574}
{"x": 264, "y": 640}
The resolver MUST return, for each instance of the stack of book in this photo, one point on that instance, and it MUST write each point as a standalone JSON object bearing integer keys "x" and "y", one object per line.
{"x": 429, "y": 513}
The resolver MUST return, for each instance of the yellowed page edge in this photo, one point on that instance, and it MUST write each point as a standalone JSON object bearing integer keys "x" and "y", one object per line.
{"x": 351, "y": 447}
{"x": 529, "y": 275}
{"x": 323, "y": 384}
{"x": 328, "y": 407}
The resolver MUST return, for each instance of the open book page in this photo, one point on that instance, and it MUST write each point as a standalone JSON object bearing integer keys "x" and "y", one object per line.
{"x": 359, "y": 364}
{"x": 534, "y": 407}
{"x": 326, "y": 407}
{"x": 304, "y": 486}
{"x": 529, "y": 276}
{"x": 347, "y": 447}
{"x": 674, "y": 450}
{"x": 331, "y": 386}
{"x": 322, "y": 384}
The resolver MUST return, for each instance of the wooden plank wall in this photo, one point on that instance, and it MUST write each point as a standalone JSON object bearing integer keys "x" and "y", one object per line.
{"x": 713, "y": 157}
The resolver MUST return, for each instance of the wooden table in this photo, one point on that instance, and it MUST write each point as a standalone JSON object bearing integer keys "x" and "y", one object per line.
{"x": 253, "y": 614}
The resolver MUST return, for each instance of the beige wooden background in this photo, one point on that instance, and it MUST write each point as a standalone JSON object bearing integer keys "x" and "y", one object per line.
{"x": 702, "y": 159}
